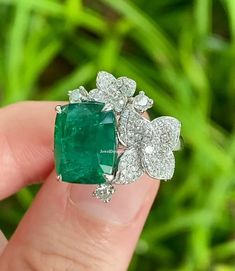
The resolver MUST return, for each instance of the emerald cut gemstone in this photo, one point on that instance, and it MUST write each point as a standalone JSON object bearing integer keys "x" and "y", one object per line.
{"x": 85, "y": 143}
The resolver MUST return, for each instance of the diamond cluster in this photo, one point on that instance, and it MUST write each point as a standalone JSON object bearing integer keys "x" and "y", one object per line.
{"x": 153, "y": 143}
{"x": 129, "y": 166}
{"x": 149, "y": 145}
{"x": 114, "y": 92}
{"x": 133, "y": 128}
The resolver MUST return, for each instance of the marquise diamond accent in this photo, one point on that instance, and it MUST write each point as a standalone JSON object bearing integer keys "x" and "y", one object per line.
{"x": 78, "y": 95}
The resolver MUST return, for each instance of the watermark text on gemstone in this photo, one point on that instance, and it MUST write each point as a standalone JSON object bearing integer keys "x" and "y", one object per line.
{"x": 108, "y": 151}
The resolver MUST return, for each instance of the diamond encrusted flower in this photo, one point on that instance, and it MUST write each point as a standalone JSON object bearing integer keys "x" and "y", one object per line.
{"x": 113, "y": 92}
{"x": 148, "y": 145}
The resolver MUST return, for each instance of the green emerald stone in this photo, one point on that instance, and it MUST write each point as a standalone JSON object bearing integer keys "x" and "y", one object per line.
{"x": 85, "y": 143}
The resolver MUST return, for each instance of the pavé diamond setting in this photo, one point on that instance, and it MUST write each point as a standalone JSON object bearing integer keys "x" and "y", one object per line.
{"x": 91, "y": 129}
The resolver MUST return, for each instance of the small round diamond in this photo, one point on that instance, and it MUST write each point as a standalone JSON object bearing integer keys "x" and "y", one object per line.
{"x": 142, "y": 102}
{"x": 149, "y": 149}
{"x": 104, "y": 192}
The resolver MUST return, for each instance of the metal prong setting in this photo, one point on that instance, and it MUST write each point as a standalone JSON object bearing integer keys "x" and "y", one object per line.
{"x": 107, "y": 107}
{"x": 59, "y": 178}
{"x": 108, "y": 177}
{"x": 81, "y": 88}
{"x": 58, "y": 109}
{"x": 180, "y": 144}
{"x": 120, "y": 140}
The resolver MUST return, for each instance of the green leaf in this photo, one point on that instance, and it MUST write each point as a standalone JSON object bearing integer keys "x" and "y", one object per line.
{"x": 79, "y": 77}
{"x": 14, "y": 53}
{"x": 146, "y": 30}
{"x": 230, "y": 4}
{"x": 202, "y": 14}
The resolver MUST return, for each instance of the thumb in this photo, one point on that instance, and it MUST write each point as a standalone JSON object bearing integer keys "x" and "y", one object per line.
{"x": 67, "y": 229}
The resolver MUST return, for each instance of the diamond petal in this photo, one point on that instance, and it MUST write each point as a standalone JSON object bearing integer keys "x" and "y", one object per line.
{"x": 105, "y": 81}
{"x": 158, "y": 164}
{"x": 98, "y": 96}
{"x": 108, "y": 92}
{"x": 166, "y": 133}
{"x": 133, "y": 129}
{"x": 116, "y": 99}
{"x": 126, "y": 86}
{"x": 129, "y": 167}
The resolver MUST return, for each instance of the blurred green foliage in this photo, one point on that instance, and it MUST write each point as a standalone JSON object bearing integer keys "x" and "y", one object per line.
{"x": 182, "y": 53}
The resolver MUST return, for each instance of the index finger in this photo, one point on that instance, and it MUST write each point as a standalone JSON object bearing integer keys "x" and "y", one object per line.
{"x": 26, "y": 144}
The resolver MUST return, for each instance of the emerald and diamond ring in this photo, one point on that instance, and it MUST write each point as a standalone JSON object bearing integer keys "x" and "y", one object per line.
{"x": 90, "y": 130}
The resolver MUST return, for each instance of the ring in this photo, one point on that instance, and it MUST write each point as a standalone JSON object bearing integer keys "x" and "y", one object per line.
{"x": 92, "y": 127}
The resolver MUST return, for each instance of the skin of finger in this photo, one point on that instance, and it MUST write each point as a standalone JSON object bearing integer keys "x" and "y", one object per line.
{"x": 26, "y": 144}
{"x": 3, "y": 242}
{"x": 55, "y": 234}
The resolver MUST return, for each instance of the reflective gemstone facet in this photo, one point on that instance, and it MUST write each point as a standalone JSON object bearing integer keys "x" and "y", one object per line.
{"x": 85, "y": 143}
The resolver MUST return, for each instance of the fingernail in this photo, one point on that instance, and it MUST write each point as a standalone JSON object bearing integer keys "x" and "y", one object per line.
{"x": 3, "y": 241}
{"x": 124, "y": 206}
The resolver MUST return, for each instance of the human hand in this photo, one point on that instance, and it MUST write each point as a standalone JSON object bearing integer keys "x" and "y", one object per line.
{"x": 65, "y": 228}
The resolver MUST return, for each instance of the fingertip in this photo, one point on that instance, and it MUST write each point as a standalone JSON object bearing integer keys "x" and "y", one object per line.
{"x": 26, "y": 143}
{"x": 125, "y": 205}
